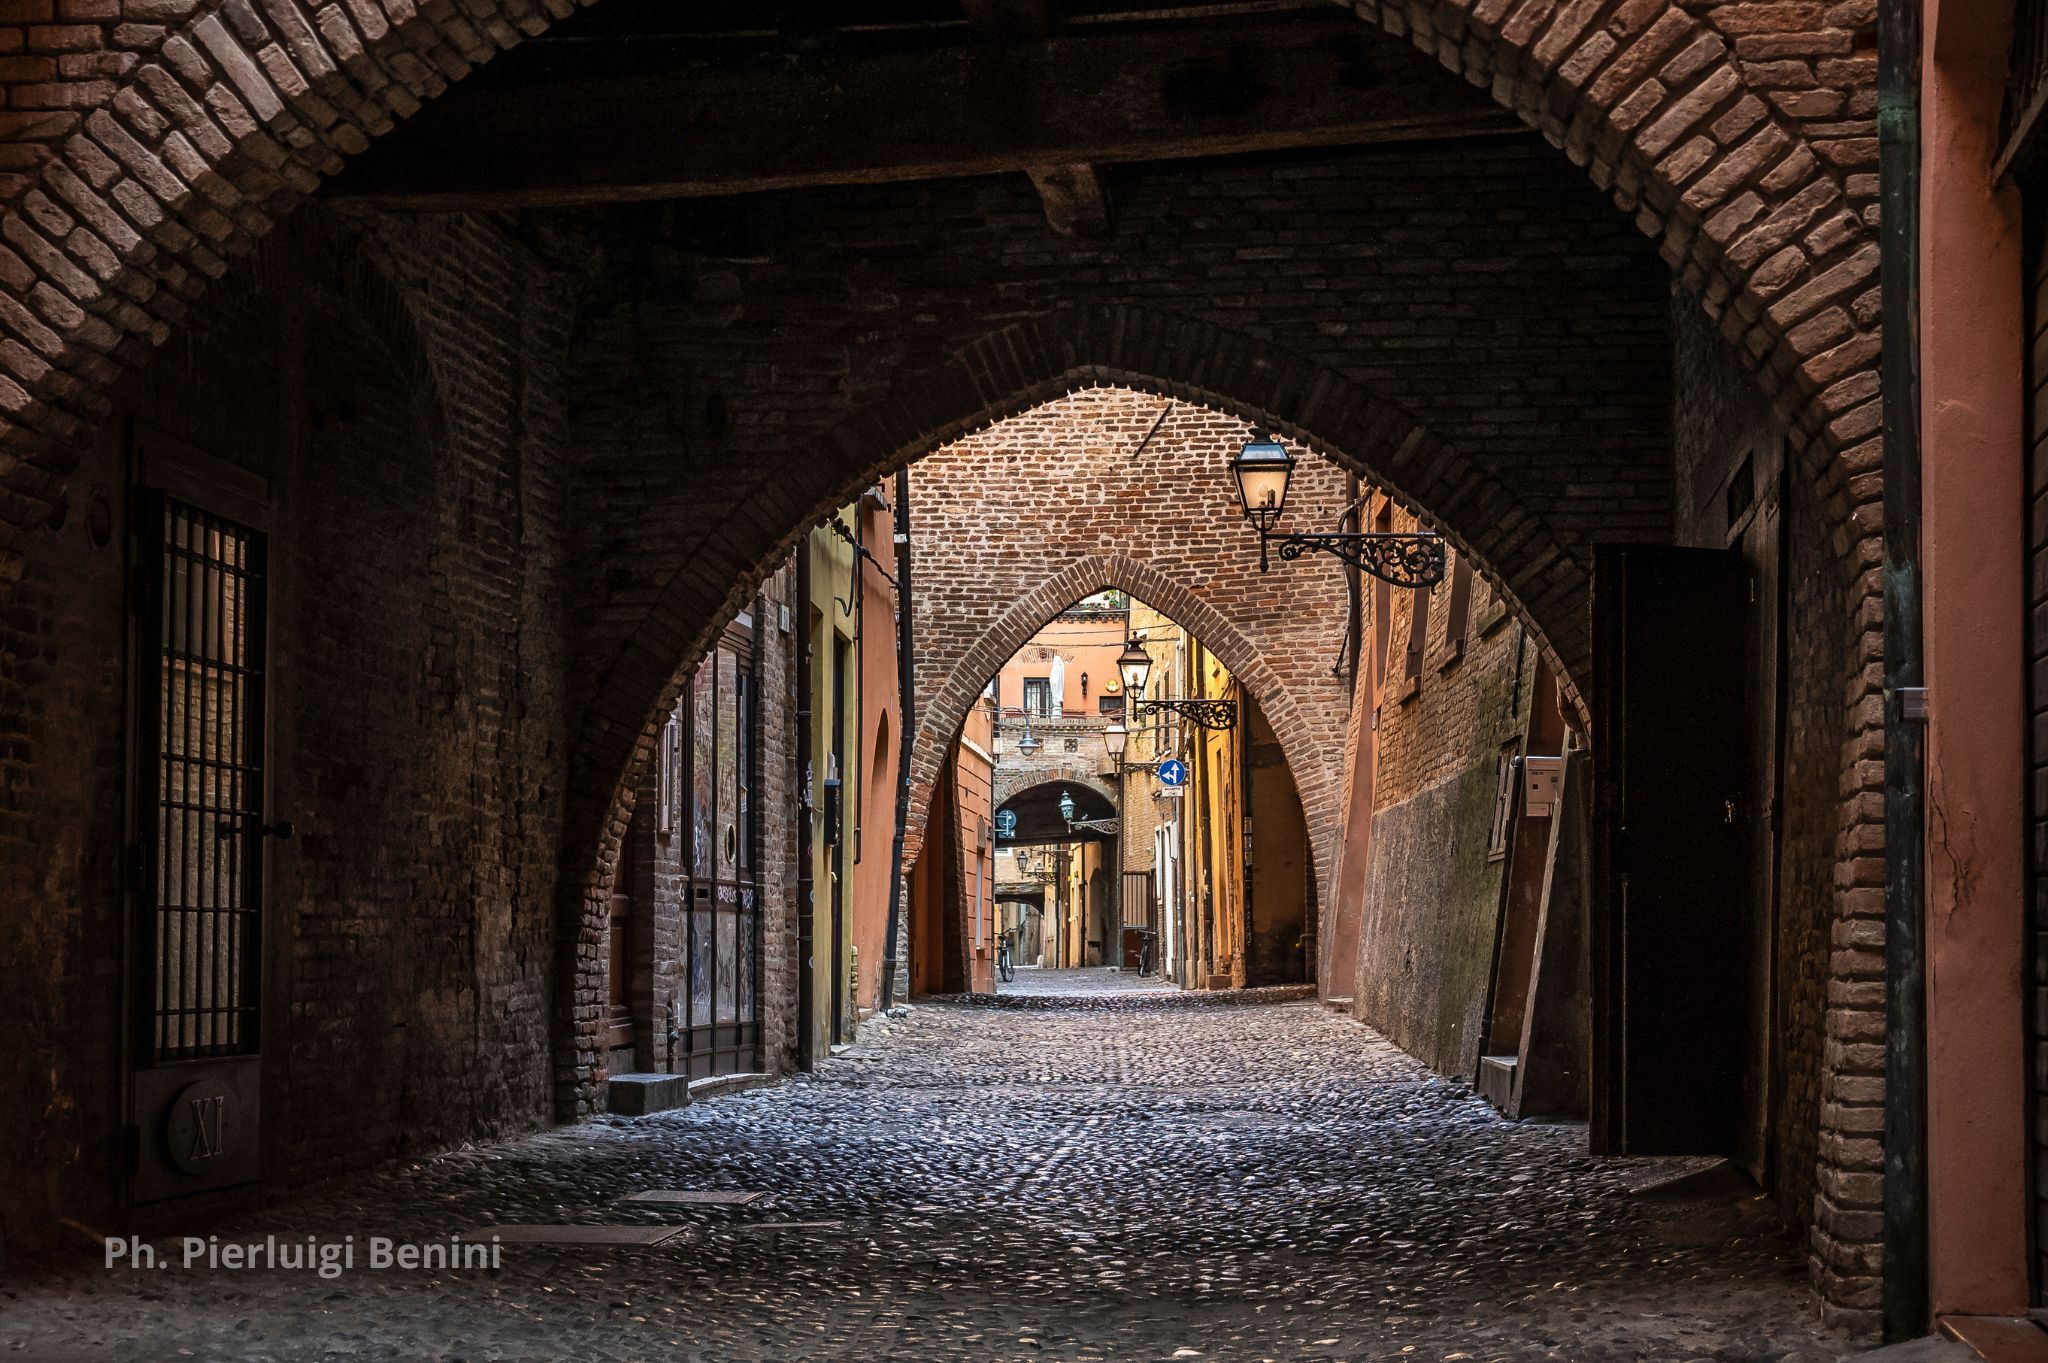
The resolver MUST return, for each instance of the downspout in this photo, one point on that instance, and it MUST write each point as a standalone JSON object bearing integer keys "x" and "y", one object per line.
{"x": 906, "y": 728}
{"x": 1905, "y": 1300}
{"x": 806, "y": 889}
{"x": 1352, "y": 521}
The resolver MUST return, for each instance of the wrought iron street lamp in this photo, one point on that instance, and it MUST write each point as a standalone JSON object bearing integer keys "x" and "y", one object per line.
{"x": 1134, "y": 662}
{"x": 1263, "y": 469}
{"x": 1113, "y": 737}
{"x": 1067, "y": 805}
{"x": 1205, "y": 713}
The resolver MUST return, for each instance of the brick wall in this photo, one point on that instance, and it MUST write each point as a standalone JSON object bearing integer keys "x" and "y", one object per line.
{"x": 1426, "y": 933}
{"x": 118, "y": 220}
{"x": 1825, "y": 1056}
{"x": 1021, "y": 520}
{"x": 659, "y": 869}
{"x": 416, "y": 659}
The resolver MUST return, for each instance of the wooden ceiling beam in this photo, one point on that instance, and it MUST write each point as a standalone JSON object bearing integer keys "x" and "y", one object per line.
{"x": 536, "y": 135}
{"x": 1012, "y": 18}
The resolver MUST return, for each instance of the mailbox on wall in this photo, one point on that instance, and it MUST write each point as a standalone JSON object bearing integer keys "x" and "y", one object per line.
{"x": 1542, "y": 778}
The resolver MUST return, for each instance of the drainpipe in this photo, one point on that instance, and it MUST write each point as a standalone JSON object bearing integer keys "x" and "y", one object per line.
{"x": 906, "y": 728}
{"x": 1905, "y": 1302}
{"x": 806, "y": 922}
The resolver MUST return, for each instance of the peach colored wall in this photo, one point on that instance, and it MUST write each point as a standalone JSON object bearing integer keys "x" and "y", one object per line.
{"x": 881, "y": 738}
{"x": 1090, "y": 648}
{"x": 1971, "y": 432}
{"x": 975, "y": 782}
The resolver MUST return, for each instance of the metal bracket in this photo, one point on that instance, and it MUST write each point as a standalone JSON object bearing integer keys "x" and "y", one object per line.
{"x": 1207, "y": 714}
{"x": 1403, "y": 560}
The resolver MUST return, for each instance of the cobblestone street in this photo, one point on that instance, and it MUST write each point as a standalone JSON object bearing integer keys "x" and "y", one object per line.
{"x": 1147, "y": 1181}
{"x": 1090, "y": 982}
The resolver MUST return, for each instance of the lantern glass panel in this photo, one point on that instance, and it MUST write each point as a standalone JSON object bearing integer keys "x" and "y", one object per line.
{"x": 1135, "y": 664}
{"x": 1263, "y": 468}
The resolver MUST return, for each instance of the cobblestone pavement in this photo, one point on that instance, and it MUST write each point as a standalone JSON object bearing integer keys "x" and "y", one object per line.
{"x": 1085, "y": 982}
{"x": 1259, "y": 1182}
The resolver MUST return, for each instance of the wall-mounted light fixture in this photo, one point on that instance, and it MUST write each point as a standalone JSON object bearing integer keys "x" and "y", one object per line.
{"x": 1263, "y": 468}
{"x": 1135, "y": 663}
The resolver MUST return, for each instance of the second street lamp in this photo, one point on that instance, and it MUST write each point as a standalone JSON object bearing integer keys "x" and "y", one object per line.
{"x": 1134, "y": 662}
{"x": 1263, "y": 468}
{"x": 1113, "y": 739}
{"x": 1135, "y": 665}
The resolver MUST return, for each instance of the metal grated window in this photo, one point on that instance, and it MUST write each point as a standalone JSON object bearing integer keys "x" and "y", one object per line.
{"x": 202, "y": 639}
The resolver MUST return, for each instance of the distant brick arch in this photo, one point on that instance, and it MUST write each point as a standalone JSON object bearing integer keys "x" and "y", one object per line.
{"x": 1303, "y": 741}
{"x": 1009, "y": 785}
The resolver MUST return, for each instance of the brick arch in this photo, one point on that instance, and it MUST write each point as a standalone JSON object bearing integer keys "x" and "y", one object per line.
{"x": 942, "y": 712}
{"x": 1009, "y": 788}
{"x": 1025, "y": 365}
{"x": 1005, "y": 373}
{"x": 220, "y": 123}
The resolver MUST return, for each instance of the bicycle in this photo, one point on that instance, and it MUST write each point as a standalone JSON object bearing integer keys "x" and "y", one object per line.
{"x": 1006, "y": 959}
{"x": 1148, "y": 945}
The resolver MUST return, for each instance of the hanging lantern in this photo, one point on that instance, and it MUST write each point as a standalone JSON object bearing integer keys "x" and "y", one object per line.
{"x": 1263, "y": 468}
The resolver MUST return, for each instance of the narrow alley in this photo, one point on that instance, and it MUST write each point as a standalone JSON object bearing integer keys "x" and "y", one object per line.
{"x": 993, "y": 679}
{"x": 1098, "y": 1174}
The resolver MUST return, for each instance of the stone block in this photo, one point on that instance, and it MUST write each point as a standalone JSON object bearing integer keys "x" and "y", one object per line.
{"x": 637, "y": 1095}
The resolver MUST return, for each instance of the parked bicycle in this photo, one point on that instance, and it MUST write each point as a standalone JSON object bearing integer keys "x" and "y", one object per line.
{"x": 1006, "y": 957}
{"x": 1148, "y": 948}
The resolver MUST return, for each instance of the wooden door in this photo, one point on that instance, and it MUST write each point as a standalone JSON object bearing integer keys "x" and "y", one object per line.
{"x": 1673, "y": 813}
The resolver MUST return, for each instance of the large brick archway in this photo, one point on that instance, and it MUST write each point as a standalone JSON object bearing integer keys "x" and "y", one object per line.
{"x": 143, "y": 186}
{"x": 189, "y": 141}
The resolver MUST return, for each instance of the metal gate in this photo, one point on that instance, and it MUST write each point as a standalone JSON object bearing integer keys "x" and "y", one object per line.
{"x": 720, "y": 1029}
{"x": 196, "y": 933}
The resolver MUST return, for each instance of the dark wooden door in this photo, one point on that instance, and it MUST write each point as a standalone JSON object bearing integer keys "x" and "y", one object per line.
{"x": 1671, "y": 1017}
{"x": 195, "y": 983}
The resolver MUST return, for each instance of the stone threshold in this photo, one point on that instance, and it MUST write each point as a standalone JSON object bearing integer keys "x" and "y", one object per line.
{"x": 641, "y": 1095}
{"x": 1969, "y": 1339}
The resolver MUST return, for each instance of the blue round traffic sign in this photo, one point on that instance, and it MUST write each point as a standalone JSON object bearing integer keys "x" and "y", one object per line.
{"x": 1173, "y": 772}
